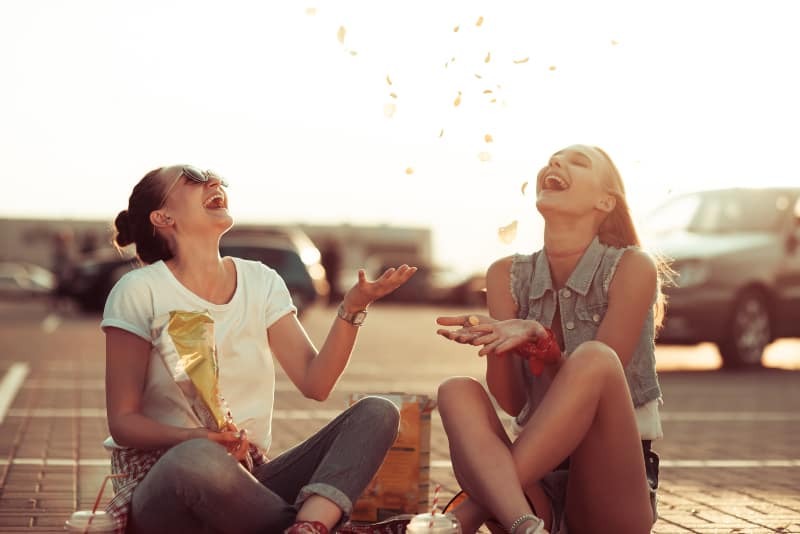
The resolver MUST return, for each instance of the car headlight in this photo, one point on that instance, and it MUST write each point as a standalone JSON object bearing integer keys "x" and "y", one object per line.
{"x": 692, "y": 273}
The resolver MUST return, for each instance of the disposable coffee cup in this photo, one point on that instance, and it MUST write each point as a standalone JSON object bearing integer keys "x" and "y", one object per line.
{"x": 86, "y": 521}
{"x": 433, "y": 524}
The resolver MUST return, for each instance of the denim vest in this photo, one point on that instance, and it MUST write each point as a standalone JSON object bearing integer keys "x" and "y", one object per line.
{"x": 582, "y": 303}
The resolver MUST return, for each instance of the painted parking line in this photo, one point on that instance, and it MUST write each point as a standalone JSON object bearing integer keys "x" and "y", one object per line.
{"x": 324, "y": 414}
{"x": 10, "y": 386}
{"x": 691, "y": 464}
{"x": 57, "y": 413}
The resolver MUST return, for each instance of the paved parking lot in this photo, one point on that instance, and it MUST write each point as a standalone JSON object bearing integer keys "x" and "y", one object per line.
{"x": 730, "y": 457}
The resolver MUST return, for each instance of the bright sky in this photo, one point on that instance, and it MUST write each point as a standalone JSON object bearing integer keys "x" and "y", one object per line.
{"x": 682, "y": 94}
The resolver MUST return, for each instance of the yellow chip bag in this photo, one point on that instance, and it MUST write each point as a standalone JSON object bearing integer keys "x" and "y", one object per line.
{"x": 185, "y": 342}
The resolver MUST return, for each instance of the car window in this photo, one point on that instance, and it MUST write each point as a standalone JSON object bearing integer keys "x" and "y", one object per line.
{"x": 716, "y": 212}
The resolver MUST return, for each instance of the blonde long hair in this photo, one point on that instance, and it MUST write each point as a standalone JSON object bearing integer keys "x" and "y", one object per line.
{"x": 617, "y": 230}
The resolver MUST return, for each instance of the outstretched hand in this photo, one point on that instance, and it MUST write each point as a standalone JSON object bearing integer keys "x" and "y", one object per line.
{"x": 497, "y": 337}
{"x": 365, "y": 292}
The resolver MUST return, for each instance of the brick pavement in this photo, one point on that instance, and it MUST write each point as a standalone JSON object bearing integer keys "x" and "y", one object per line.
{"x": 730, "y": 455}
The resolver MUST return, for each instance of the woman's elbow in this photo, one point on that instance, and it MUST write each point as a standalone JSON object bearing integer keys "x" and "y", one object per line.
{"x": 317, "y": 393}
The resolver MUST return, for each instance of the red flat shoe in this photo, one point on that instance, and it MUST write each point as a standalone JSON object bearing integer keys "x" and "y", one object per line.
{"x": 307, "y": 527}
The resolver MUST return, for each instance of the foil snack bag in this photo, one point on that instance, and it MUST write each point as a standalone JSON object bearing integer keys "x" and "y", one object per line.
{"x": 185, "y": 341}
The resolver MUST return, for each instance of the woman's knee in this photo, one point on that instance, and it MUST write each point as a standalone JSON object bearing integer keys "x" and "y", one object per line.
{"x": 453, "y": 392}
{"x": 596, "y": 357}
{"x": 198, "y": 460}
{"x": 378, "y": 414}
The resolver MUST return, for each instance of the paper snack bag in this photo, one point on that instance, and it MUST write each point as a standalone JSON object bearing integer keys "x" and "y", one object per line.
{"x": 401, "y": 484}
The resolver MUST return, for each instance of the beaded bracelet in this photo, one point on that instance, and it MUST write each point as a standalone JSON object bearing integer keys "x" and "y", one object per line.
{"x": 522, "y": 519}
{"x": 543, "y": 350}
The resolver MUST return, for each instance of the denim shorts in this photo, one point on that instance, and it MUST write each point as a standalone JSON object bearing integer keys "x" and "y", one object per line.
{"x": 554, "y": 485}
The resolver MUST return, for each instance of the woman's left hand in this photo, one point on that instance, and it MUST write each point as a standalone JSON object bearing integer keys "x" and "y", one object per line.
{"x": 502, "y": 336}
{"x": 365, "y": 292}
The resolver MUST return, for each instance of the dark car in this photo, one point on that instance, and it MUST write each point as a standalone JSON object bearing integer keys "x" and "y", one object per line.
{"x": 93, "y": 279}
{"x": 736, "y": 257}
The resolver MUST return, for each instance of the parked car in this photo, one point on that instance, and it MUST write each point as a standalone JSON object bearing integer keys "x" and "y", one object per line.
{"x": 306, "y": 283}
{"x": 25, "y": 280}
{"x": 93, "y": 279}
{"x": 736, "y": 257}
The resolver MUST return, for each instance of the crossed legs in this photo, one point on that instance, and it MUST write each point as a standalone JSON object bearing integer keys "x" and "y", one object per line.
{"x": 586, "y": 414}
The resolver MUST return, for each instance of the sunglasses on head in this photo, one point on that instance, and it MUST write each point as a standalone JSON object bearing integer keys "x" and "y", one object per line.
{"x": 194, "y": 174}
{"x": 200, "y": 177}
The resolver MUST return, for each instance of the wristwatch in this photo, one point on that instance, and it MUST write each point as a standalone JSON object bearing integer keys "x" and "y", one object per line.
{"x": 355, "y": 318}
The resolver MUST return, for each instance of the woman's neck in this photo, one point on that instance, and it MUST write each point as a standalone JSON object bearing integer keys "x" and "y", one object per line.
{"x": 564, "y": 250}
{"x": 199, "y": 267}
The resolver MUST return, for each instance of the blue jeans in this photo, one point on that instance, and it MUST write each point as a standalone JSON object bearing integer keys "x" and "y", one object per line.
{"x": 198, "y": 487}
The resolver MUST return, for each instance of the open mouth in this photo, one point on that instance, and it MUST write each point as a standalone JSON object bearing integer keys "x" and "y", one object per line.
{"x": 551, "y": 182}
{"x": 215, "y": 202}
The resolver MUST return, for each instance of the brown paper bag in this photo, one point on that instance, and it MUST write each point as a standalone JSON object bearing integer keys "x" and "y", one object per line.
{"x": 401, "y": 484}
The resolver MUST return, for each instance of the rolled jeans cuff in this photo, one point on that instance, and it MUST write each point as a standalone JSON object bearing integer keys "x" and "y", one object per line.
{"x": 329, "y": 492}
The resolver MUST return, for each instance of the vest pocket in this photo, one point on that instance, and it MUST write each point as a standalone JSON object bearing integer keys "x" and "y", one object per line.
{"x": 535, "y": 307}
{"x": 592, "y": 313}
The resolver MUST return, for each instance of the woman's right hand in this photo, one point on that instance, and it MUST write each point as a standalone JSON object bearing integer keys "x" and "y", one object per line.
{"x": 466, "y": 334}
{"x": 234, "y": 440}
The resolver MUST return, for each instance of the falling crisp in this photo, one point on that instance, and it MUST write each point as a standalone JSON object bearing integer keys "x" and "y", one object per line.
{"x": 389, "y": 109}
{"x": 409, "y": 170}
{"x": 523, "y": 60}
{"x": 441, "y": 132}
{"x": 488, "y": 57}
{"x": 479, "y": 21}
{"x": 393, "y": 95}
{"x": 340, "y": 34}
{"x": 552, "y": 67}
{"x": 388, "y": 80}
{"x": 488, "y": 138}
{"x": 457, "y": 101}
{"x": 508, "y": 233}
{"x": 487, "y": 91}
{"x": 484, "y": 156}
{"x": 311, "y": 11}
{"x": 524, "y": 187}
{"x": 455, "y": 30}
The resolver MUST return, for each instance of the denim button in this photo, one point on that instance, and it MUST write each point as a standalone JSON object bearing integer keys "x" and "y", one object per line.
{"x": 566, "y": 293}
{"x": 570, "y": 325}
{"x": 596, "y": 317}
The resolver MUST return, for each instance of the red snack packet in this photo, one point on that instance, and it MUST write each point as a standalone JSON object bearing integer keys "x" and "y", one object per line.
{"x": 540, "y": 352}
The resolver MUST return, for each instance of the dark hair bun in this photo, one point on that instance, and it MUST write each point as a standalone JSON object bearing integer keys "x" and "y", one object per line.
{"x": 124, "y": 234}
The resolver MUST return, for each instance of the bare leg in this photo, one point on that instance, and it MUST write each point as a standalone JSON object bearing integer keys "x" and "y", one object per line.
{"x": 318, "y": 508}
{"x": 588, "y": 413}
{"x": 481, "y": 454}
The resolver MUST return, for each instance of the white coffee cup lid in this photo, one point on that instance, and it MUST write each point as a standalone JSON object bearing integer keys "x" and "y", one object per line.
{"x": 443, "y": 523}
{"x": 101, "y": 522}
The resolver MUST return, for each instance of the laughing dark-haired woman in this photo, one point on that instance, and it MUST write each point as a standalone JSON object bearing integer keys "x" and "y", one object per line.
{"x": 190, "y": 382}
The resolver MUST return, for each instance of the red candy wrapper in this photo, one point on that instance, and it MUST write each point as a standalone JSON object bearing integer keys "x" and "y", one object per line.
{"x": 540, "y": 352}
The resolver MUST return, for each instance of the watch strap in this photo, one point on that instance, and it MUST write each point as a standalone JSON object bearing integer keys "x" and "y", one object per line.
{"x": 355, "y": 318}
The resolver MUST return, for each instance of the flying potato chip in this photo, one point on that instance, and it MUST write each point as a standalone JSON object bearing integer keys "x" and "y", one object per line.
{"x": 340, "y": 34}
{"x": 479, "y": 21}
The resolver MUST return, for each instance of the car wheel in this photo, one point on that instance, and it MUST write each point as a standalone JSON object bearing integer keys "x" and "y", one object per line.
{"x": 749, "y": 332}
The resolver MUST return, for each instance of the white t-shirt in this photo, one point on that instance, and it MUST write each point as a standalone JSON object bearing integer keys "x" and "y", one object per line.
{"x": 246, "y": 370}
